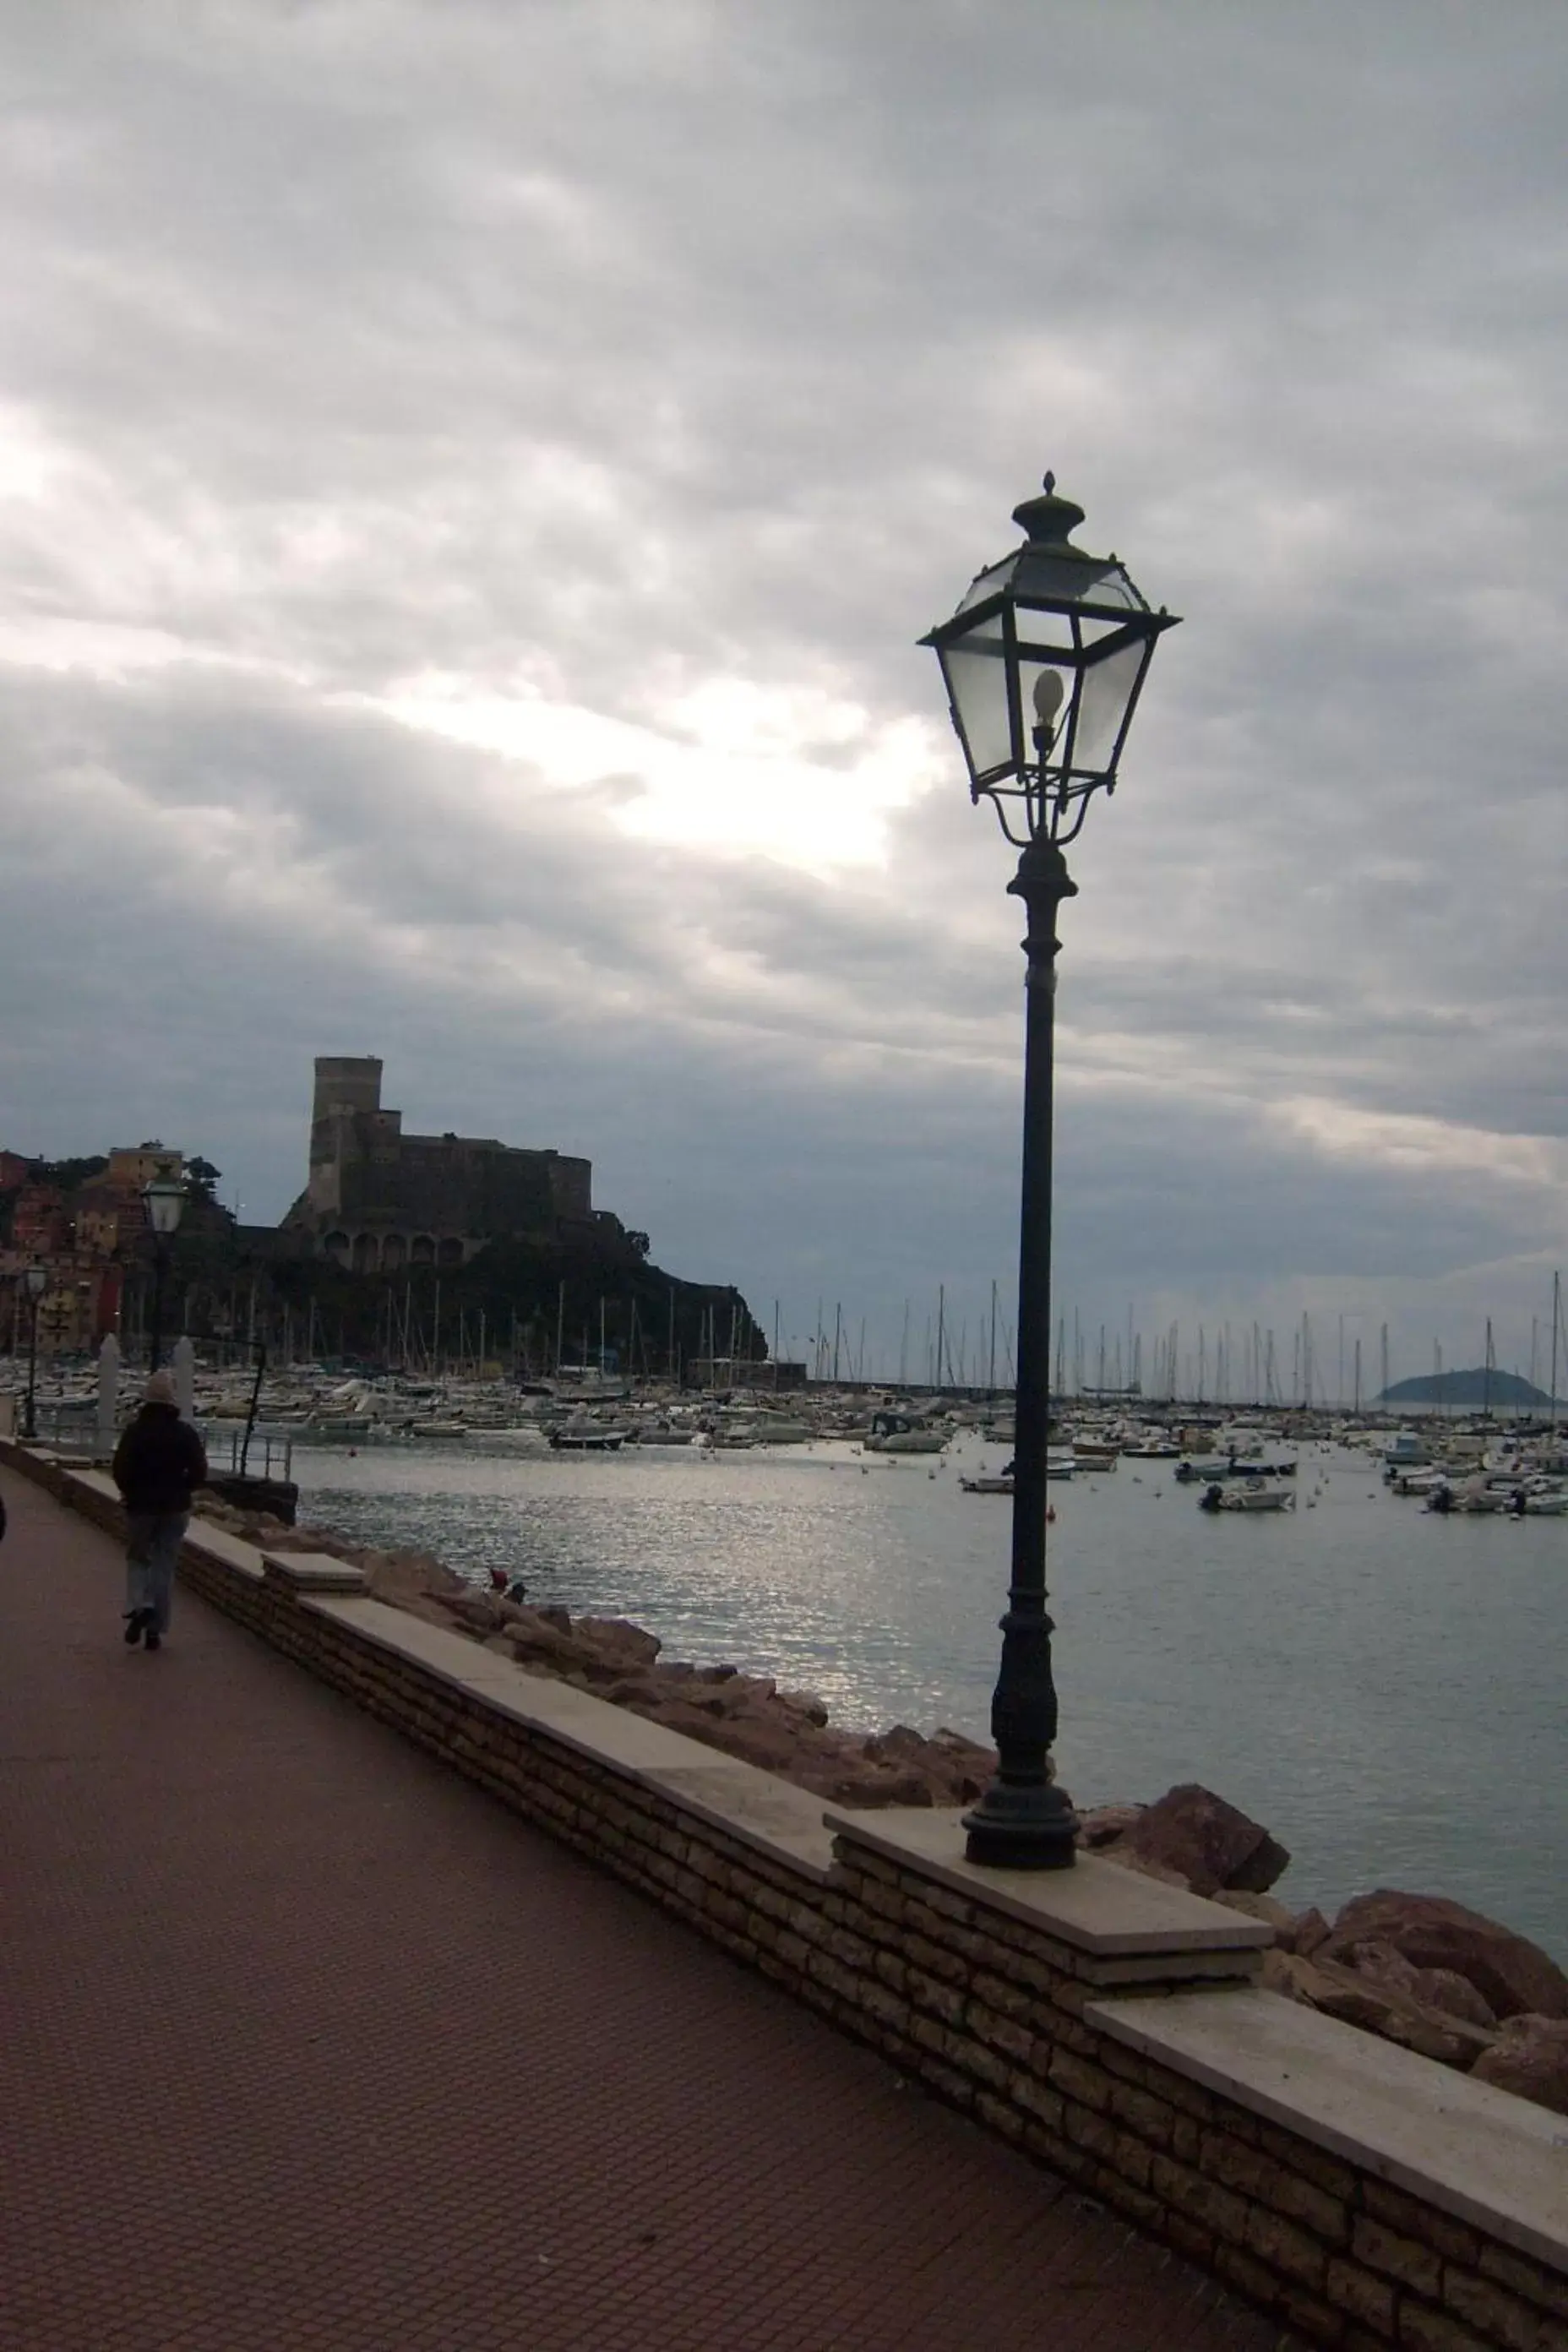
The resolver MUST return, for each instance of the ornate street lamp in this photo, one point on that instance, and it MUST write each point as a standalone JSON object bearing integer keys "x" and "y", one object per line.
{"x": 34, "y": 1282}
{"x": 1044, "y": 662}
{"x": 164, "y": 1202}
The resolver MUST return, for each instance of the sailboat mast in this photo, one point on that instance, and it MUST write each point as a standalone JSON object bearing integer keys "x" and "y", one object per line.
{"x": 1556, "y": 1321}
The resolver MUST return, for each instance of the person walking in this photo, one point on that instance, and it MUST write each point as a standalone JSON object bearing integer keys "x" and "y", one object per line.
{"x": 158, "y": 1465}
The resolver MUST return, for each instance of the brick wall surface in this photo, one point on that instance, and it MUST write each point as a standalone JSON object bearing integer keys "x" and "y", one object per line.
{"x": 985, "y": 2011}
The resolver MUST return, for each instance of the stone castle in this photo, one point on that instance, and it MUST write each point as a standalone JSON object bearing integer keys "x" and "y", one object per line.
{"x": 378, "y": 1200}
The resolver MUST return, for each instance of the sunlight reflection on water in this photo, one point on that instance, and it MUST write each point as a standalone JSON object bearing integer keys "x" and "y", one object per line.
{"x": 1380, "y": 1687}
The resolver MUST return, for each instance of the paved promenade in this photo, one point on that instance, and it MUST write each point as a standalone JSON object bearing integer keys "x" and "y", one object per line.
{"x": 305, "y": 2043}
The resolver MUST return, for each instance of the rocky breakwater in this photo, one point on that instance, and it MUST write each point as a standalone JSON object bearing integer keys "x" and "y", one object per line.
{"x": 1416, "y": 1969}
{"x": 746, "y": 1715}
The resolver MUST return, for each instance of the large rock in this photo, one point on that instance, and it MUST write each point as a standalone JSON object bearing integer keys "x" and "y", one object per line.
{"x": 1266, "y": 1907}
{"x": 1512, "y": 1974}
{"x": 477, "y": 1612}
{"x": 804, "y": 1707}
{"x": 618, "y": 1638}
{"x": 1100, "y": 1827}
{"x": 1454, "y": 1995}
{"x": 1383, "y": 2007}
{"x": 1530, "y": 2057}
{"x": 1309, "y": 1930}
{"x": 538, "y": 1641}
{"x": 1204, "y": 1840}
{"x": 965, "y": 1755}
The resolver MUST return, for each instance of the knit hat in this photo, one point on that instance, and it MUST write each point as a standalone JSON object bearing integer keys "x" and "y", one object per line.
{"x": 160, "y": 1390}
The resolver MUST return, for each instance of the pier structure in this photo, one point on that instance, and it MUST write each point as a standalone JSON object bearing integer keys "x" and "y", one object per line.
{"x": 363, "y": 1988}
{"x": 309, "y": 2042}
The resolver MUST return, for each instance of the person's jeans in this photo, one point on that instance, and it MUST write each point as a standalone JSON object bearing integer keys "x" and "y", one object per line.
{"x": 152, "y": 1540}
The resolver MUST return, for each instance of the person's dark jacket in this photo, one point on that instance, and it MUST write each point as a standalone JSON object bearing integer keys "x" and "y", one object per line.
{"x": 159, "y": 1460}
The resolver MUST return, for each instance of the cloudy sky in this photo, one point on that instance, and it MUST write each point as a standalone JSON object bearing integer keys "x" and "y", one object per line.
{"x": 474, "y": 472}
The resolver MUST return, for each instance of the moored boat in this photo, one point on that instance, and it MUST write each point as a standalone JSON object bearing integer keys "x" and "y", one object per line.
{"x": 896, "y": 1433}
{"x": 1251, "y": 1495}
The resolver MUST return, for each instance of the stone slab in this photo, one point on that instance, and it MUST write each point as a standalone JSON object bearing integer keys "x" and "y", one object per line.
{"x": 1496, "y": 2161}
{"x": 603, "y": 1733}
{"x": 451, "y": 1657}
{"x": 97, "y": 1482}
{"x": 1096, "y": 1908}
{"x": 769, "y": 1815}
{"x": 1169, "y": 1968}
{"x": 314, "y": 1571}
{"x": 229, "y": 1552}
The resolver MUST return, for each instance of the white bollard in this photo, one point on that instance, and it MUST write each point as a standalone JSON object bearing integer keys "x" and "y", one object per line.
{"x": 108, "y": 1398}
{"x": 184, "y": 1362}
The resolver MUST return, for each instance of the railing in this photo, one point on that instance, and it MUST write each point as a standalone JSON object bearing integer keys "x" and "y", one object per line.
{"x": 277, "y": 1454}
{"x": 69, "y": 1427}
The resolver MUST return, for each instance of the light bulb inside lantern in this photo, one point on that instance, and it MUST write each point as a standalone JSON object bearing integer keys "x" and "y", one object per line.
{"x": 1050, "y": 692}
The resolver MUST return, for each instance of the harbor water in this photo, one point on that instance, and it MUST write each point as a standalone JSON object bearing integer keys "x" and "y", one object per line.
{"x": 1382, "y": 1686}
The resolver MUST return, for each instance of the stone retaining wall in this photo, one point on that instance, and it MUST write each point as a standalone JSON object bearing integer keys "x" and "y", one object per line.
{"x": 1105, "y": 2024}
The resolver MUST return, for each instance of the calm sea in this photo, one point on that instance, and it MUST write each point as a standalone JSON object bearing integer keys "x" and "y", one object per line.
{"x": 1382, "y": 1686}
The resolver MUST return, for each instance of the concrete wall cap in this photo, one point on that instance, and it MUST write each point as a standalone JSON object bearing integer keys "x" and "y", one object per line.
{"x": 1493, "y": 2160}
{"x": 313, "y": 1571}
{"x": 1096, "y": 1908}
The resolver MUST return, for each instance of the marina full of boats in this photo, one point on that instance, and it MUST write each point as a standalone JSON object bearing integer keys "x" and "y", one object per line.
{"x": 1524, "y": 1473}
{"x": 1241, "y": 1464}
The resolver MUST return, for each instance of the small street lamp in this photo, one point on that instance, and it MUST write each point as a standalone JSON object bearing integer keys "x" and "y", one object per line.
{"x": 1044, "y": 662}
{"x": 35, "y": 1281}
{"x": 164, "y": 1200}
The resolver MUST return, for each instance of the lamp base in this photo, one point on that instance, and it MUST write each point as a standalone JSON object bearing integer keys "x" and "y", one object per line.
{"x": 1027, "y": 1827}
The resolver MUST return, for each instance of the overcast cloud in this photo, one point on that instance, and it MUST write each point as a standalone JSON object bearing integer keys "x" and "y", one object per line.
{"x": 472, "y": 478}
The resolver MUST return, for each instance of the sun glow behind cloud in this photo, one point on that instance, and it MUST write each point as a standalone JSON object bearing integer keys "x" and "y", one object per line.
{"x": 796, "y": 774}
{"x": 1422, "y": 1146}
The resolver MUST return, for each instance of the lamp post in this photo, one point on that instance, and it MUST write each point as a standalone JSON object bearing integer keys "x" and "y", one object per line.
{"x": 35, "y": 1281}
{"x": 163, "y": 1199}
{"x": 1044, "y": 661}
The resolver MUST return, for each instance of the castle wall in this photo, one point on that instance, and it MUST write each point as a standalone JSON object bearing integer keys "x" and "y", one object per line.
{"x": 378, "y": 1198}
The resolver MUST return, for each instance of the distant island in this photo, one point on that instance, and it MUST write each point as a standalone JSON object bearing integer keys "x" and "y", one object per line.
{"x": 1476, "y": 1388}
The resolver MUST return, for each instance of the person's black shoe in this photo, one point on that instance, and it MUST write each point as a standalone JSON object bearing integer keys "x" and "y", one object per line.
{"x": 136, "y": 1625}
{"x": 155, "y": 1639}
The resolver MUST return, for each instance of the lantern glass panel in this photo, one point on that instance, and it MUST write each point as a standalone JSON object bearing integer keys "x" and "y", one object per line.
{"x": 1040, "y": 575}
{"x": 1108, "y": 688}
{"x": 165, "y": 1202}
{"x": 977, "y": 685}
{"x": 990, "y": 583}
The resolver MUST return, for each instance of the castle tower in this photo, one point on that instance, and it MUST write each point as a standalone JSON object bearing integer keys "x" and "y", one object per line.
{"x": 348, "y": 1087}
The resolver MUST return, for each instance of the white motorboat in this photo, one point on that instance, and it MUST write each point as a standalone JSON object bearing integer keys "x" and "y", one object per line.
{"x": 524, "y": 1437}
{"x": 1090, "y": 1453}
{"x": 895, "y": 1432}
{"x": 588, "y": 1437}
{"x": 1248, "y": 1495}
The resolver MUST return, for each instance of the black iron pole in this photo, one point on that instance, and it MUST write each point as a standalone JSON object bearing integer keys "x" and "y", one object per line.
{"x": 1024, "y": 1822}
{"x": 32, "y": 1428}
{"x": 155, "y": 1339}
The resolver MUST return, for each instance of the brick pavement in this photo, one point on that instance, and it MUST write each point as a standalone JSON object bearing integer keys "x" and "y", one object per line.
{"x": 305, "y": 2043}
